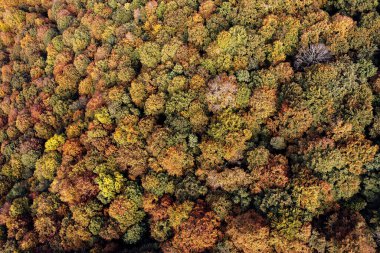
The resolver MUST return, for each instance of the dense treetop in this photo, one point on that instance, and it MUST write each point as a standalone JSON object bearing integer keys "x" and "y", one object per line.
{"x": 185, "y": 126}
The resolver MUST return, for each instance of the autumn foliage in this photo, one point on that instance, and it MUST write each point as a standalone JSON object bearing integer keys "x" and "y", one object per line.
{"x": 186, "y": 126}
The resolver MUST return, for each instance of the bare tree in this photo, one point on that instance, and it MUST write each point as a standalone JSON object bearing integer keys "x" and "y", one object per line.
{"x": 313, "y": 54}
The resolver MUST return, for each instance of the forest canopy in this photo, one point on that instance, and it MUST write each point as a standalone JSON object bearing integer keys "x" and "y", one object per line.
{"x": 189, "y": 126}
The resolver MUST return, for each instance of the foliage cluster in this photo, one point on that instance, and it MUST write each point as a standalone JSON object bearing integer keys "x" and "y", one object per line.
{"x": 184, "y": 126}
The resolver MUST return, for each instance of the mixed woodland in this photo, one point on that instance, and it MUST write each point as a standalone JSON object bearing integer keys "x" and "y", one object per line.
{"x": 186, "y": 126}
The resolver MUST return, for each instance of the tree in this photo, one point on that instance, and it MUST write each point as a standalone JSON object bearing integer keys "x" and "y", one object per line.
{"x": 150, "y": 54}
{"x": 158, "y": 184}
{"x": 229, "y": 179}
{"x": 125, "y": 212}
{"x": 221, "y": 93}
{"x": 200, "y": 232}
{"x": 47, "y": 166}
{"x": 353, "y": 7}
{"x": 155, "y": 104}
{"x": 110, "y": 184}
{"x": 176, "y": 161}
{"x": 249, "y": 232}
{"x": 54, "y": 142}
{"x": 314, "y": 54}
{"x": 275, "y": 174}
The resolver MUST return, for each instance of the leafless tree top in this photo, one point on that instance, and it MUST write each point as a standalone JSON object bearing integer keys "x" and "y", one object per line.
{"x": 315, "y": 53}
